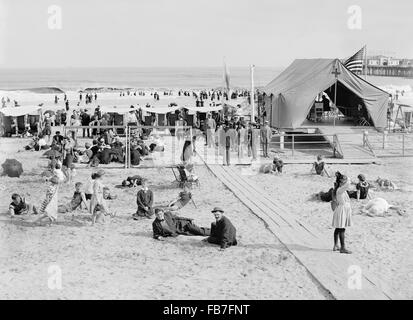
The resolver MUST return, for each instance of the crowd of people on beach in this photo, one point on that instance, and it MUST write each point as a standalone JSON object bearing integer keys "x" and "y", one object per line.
{"x": 226, "y": 133}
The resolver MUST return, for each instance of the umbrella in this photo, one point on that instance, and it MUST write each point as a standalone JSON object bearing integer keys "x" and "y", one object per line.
{"x": 12, "y": 168}
{"x": 52, "y": 153}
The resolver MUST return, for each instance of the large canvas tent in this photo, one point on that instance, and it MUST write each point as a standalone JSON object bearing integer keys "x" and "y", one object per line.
{"x": 290, "y": 96}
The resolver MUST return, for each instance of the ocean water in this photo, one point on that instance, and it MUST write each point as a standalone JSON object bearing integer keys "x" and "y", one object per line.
{"x": 144, "y": 78}
{"x": 32, "y": 85}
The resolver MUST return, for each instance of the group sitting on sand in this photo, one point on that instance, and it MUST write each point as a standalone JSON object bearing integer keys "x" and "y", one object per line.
{"x": 166, "y": 224}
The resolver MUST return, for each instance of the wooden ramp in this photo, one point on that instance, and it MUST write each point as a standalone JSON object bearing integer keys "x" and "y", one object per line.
{"x": 351, "y": 141}
{"x": 335, "y": 272}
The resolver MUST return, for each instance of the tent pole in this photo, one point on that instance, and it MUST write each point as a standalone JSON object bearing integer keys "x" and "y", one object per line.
{"x": 252, "y": 95}
{"x": 336, "y": 72}
{"x": 278, "y": 122}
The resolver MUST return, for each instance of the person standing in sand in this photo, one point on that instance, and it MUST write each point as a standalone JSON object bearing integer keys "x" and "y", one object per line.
{"x": 210, "y": 131}
{"x": 265, "y": 133}
{"x": 49, "y": 208}
{"x": 97, "y": 197}
{"x": 342, "y": 217}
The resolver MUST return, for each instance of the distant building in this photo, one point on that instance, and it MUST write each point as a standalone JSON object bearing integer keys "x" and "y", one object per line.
{"x": 389, "y": 66}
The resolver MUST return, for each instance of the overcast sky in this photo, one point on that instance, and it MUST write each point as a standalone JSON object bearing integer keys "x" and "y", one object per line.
{"x": 176, "y": 33}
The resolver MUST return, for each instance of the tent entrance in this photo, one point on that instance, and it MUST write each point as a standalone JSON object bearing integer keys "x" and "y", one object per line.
{"x": 351, "y": 108}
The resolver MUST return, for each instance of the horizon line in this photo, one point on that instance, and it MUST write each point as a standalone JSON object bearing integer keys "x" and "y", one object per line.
{"x": 129, "y": 67}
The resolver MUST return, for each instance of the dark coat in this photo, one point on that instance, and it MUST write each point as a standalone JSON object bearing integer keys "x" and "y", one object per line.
{"x": 172, "y": 226}
{"x": 144, "y": 199}
{"x": 223, "y": 233}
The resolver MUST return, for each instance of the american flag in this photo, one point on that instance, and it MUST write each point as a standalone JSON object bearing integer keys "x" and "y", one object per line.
{"x": 355, "y": 62}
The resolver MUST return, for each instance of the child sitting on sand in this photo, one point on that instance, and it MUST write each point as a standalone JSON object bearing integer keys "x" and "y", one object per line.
{"x": 18, "y": 206}
{"x": 362, "y": 189}
{"x": 48, "y": 209}
{"x": 78, "y": 199}
{"x": 319, "y": 167}
{"x": 85, "y": 156}
{"x": 277, "y": 165}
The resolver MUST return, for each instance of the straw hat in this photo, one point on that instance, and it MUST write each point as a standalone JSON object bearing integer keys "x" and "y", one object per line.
{"x": 217, "y": 209}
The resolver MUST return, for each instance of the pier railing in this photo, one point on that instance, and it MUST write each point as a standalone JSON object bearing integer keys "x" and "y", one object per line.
{"x": 303, "y": 143}
{"x": 388, "y": 144}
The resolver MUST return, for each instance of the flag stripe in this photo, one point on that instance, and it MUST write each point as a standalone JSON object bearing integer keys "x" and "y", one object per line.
{"x": 355, "y": 62}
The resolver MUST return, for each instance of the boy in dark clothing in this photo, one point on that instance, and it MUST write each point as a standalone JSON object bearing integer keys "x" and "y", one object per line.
{"x": 144, "y": 200}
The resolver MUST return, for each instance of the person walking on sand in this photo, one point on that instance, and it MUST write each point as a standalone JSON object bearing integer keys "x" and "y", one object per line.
{"x": 342, "y": 217}
{"x": 48, "y": 209}
{"x": 98, "y": 203}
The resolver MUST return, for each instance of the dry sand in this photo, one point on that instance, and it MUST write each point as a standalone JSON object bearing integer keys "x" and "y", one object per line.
{"x": 383, "y": 245}
{"x": 120, "y": 260}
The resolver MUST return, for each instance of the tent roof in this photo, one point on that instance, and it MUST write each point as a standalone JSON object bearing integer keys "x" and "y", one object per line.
{"x": 300, "y": 83}
{"x": 20, "y": 111}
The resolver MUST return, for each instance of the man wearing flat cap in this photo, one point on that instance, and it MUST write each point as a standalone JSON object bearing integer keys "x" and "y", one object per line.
{"x": 222, "y": 230}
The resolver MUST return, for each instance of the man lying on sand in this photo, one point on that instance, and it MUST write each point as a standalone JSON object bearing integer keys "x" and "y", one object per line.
{"x": 166, "y": 224}
{"x": 222, "y": 230}
{"x": 133, "y": 181}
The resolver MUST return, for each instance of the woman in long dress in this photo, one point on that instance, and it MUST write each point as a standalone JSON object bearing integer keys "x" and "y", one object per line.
{"x": 49, "y": 206}
{"x": 342, "y": 214}
{"x": 98, "y": 203}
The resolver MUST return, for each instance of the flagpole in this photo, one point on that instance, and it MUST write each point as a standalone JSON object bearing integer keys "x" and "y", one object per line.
{"x": 365, "y": 62}
{"x": 252, "y": 94}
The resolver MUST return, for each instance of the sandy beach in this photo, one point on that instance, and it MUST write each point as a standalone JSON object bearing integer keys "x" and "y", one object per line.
{"x": 119, "y": 259}
{"x": 383, "y": 244}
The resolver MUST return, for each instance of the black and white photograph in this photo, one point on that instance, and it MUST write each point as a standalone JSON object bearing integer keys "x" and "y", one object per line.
{"x": 191, "y": 150}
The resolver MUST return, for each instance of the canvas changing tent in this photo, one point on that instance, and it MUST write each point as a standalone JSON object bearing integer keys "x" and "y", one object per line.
{"x": 291, "y": 95}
